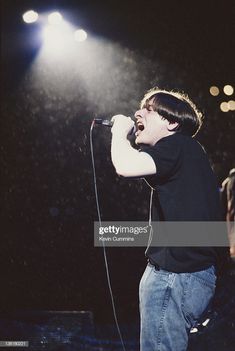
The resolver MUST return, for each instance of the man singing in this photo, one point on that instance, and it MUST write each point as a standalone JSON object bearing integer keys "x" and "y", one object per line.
{"x": 179, "y": 282}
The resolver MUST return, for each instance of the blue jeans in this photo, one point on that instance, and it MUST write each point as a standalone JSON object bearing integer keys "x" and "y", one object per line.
{"x": 170, "y": 305}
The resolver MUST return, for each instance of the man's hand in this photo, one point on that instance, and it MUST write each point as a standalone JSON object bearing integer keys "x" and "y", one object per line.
{"x": 122, "y": 125}
{"x": 127, "y": 161}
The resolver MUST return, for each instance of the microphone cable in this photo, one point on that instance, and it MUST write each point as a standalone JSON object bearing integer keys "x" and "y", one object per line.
{"x": 103, "y": 244}
{"x": 150, "y": 238}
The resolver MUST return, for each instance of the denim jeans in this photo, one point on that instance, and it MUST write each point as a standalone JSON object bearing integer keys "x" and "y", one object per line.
{"x": 170, "y": 305}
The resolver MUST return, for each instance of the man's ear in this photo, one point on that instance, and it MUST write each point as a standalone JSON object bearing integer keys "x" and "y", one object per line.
{"x": 172, "y": 126}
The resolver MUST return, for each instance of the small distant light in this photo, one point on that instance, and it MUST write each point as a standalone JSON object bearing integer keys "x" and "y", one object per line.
{"x": 214, "y": 91}
{"x": 55, "y": 18}
{"x": 80, "y": 35}
{"x": 30, "y": 16}
{"x": 228, "y": 89}
{"x": 224, "y": 107}
{"x": 231, "y": 105}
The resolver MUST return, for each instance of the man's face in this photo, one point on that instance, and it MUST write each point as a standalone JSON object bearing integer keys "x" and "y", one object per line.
{"x": 151, "y": 126}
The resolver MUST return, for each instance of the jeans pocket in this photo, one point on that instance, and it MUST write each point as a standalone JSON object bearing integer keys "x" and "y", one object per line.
{"x": 207, "y": 276}
{"x": 197, "y": 295}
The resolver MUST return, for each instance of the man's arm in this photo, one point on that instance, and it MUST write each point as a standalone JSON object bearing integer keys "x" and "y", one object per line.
{"x": 127, "y": 161}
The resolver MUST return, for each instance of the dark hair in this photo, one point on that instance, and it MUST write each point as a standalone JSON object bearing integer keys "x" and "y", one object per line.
{"x": 175, "y": 107}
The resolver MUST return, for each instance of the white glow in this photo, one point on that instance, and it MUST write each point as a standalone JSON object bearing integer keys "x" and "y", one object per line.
{"x": 58, "y": 41}
{"x": 55, "y": 18}
{"x": 53, "y": 37}
{"x": 80, "y": 35}
{"x": 224, "y": 107}
{"x": 228, "y": 90}
{"x": 30, "y": 16}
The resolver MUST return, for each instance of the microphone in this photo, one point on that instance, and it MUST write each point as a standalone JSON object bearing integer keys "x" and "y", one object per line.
{"x": 108, "y": 123}
{"x": 104, "y": 122}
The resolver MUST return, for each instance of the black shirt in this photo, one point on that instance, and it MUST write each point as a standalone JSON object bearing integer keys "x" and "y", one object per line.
{"x": 185, "y": 190}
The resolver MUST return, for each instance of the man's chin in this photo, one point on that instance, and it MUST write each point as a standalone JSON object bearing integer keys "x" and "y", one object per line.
{"x": 142, "y": 142}
{"x": 139, "y": 140}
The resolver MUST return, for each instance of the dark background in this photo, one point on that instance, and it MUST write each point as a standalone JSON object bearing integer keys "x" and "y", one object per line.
{"x": 47, "y": 258}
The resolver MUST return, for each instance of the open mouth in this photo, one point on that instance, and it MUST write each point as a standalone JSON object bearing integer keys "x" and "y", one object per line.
{"x": 140, "y": 126}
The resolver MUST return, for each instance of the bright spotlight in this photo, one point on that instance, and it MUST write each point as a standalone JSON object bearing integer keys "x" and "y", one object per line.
{"x": 53, "y": 37}
{"x": 58, "y": 40}
{"x": 30, "y": 16}
{"x": 214, "y": 91}
{"x": 55, "y": 18}
{"x": 228, "y": 90}
{"x": 80, "y": 35}
{"x": 224, "y": 107}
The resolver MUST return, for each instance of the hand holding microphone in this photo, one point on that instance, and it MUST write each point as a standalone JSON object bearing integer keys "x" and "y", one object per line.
{"x": 119, "y": 123}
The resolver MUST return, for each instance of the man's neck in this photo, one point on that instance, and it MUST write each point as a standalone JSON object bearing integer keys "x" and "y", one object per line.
{"x": 168, "y": 133}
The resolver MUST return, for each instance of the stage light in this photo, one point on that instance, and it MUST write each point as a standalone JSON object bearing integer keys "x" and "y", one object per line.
{"x": 224, "y": 107}
{"x": 228, "y": 90}
{"x": 231, "y": 105}
{"x": 80, "y": 35}
{"x": 30, "y": 16}
{"x": 55, "y": 18}
{"x": 214, "y": 91}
